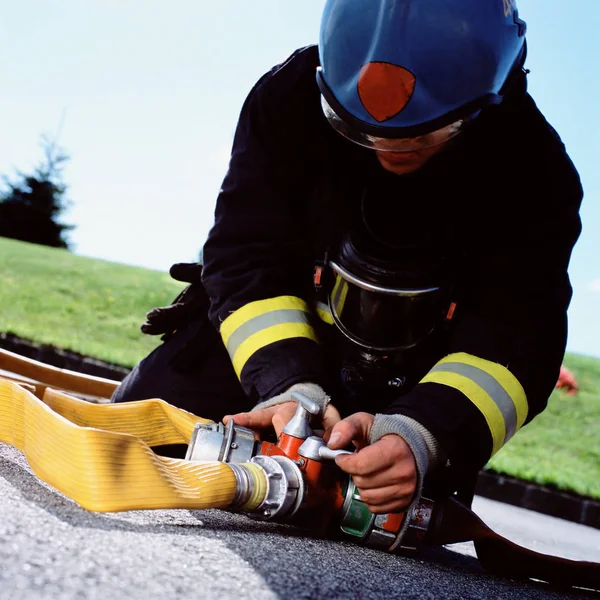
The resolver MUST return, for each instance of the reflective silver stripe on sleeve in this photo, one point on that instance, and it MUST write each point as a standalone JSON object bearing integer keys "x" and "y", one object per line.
{"x": 493, "y": 389}
{"x": 324, "y": 312}
{"x": 264, "y": 321}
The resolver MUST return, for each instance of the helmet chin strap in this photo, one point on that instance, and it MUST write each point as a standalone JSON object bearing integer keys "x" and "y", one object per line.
{"x": 517, "y": 73}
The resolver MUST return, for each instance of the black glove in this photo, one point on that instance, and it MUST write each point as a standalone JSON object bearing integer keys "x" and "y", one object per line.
{"x": 189, "y": 304}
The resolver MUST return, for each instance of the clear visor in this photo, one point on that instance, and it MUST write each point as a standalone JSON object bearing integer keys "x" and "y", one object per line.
{"x": 434, "y": 138}
{"x": 382, "y": 318}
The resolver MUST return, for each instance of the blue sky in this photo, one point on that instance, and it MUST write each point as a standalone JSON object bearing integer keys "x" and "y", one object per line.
{"x": 149, "y": 96}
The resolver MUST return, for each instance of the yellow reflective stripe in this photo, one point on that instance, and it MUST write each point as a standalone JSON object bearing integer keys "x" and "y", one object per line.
{"x": 324, "y": 313}
{"x": 257, "y": 308}
{"x": 479, "y": 398}
{"x": 338, "y": 294}
{"x": 268, "y": 336}
{"x": 502, "y": 375}
{"x": 491, "y": 387}
{"x": 338, "y": 281}
{"x": 342, "y": 300}
{"x": 264, "y": 322}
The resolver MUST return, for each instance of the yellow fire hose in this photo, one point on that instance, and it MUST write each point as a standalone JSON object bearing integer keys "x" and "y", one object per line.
{"x": 100, "y": 455}
{"x": 49, "y": 376}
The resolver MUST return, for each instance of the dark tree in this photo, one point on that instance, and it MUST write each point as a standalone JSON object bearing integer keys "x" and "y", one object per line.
{"x": 30, "y": 207}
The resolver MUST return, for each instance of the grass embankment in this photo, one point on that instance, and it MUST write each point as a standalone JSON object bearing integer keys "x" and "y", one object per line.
{"x": 89, "y": 306}
{"x": 561, "y": 446}
{"x": 96, "y": 307}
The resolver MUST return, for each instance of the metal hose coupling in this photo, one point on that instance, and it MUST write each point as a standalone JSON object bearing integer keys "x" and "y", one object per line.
{"x": 272, "y": 486}
{"x": 389, "y": 532}
{"x": 225, "y": 443}
{"x": 268, "y": 488}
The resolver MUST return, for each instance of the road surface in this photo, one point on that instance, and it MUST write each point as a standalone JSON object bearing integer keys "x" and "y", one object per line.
{"x": 50, "y": 548}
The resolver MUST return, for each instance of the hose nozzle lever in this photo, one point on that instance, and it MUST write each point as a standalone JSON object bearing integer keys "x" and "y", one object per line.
{"x": 298, "y": 426}
{"x": 314, "y": 448}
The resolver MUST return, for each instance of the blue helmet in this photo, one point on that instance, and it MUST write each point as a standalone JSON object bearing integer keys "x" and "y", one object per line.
{"x": 406, "y": 68}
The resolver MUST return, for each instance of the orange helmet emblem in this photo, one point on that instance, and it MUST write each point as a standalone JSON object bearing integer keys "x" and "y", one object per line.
{"x": 385, "y": 89}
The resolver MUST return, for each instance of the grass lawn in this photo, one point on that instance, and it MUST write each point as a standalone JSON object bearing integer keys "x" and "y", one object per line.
{"x": 561, "y": 446}
{"x": 96, "y": 307}
{"x": 93, "y": 307}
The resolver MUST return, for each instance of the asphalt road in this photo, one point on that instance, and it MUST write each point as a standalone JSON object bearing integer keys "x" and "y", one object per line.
{"x": 50, "y": 548}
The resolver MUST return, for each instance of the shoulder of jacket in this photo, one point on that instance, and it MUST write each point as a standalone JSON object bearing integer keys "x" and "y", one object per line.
{"x": 517, "y": 128}
{"x": 300, "y": 60}
{"x": 291, "y": 72}
{"x": 522, "y": 114}
{"x": 549, "y": 148}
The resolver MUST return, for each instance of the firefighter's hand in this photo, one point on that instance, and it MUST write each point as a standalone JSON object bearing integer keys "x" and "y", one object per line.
{"x": 277, "y": 417}
{"x": 384, "y": 472}
{"x": 190, "y": 303}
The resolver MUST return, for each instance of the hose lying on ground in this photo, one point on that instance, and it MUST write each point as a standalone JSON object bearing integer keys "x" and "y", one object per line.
{"x": 99, "y": 455}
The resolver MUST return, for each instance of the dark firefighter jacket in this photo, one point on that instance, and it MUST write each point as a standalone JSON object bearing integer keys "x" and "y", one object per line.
{"x": 502, "y": 202}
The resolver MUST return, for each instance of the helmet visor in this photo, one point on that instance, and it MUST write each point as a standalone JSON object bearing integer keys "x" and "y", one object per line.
{"x": 382, "y": 318}
{"x": 381, "y": 144}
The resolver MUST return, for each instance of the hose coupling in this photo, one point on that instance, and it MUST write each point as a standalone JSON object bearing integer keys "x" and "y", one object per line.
{"x": 284, "y": 492}
{"x": 229, "y": 443}
{"x": 389, "y": 532}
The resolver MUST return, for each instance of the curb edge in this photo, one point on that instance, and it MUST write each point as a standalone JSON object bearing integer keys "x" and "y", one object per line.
{"x": 539, "y": 498}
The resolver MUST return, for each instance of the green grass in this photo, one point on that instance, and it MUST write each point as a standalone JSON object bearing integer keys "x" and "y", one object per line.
{"x": 96, "y": 307}
{"x": 561, "y": 446}
{"x": 89, "y": 306}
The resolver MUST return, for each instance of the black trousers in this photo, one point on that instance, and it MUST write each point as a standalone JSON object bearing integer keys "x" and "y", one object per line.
{"x": 191, "y": 370}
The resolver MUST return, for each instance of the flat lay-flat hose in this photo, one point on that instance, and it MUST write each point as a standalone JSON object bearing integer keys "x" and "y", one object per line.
{"x": 63, "y": 379}
{"x": 100, "y": 455}
{"x": 456, "y": 523}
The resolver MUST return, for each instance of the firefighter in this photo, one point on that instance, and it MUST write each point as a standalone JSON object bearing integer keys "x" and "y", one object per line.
{"x": 391, "y": 239}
